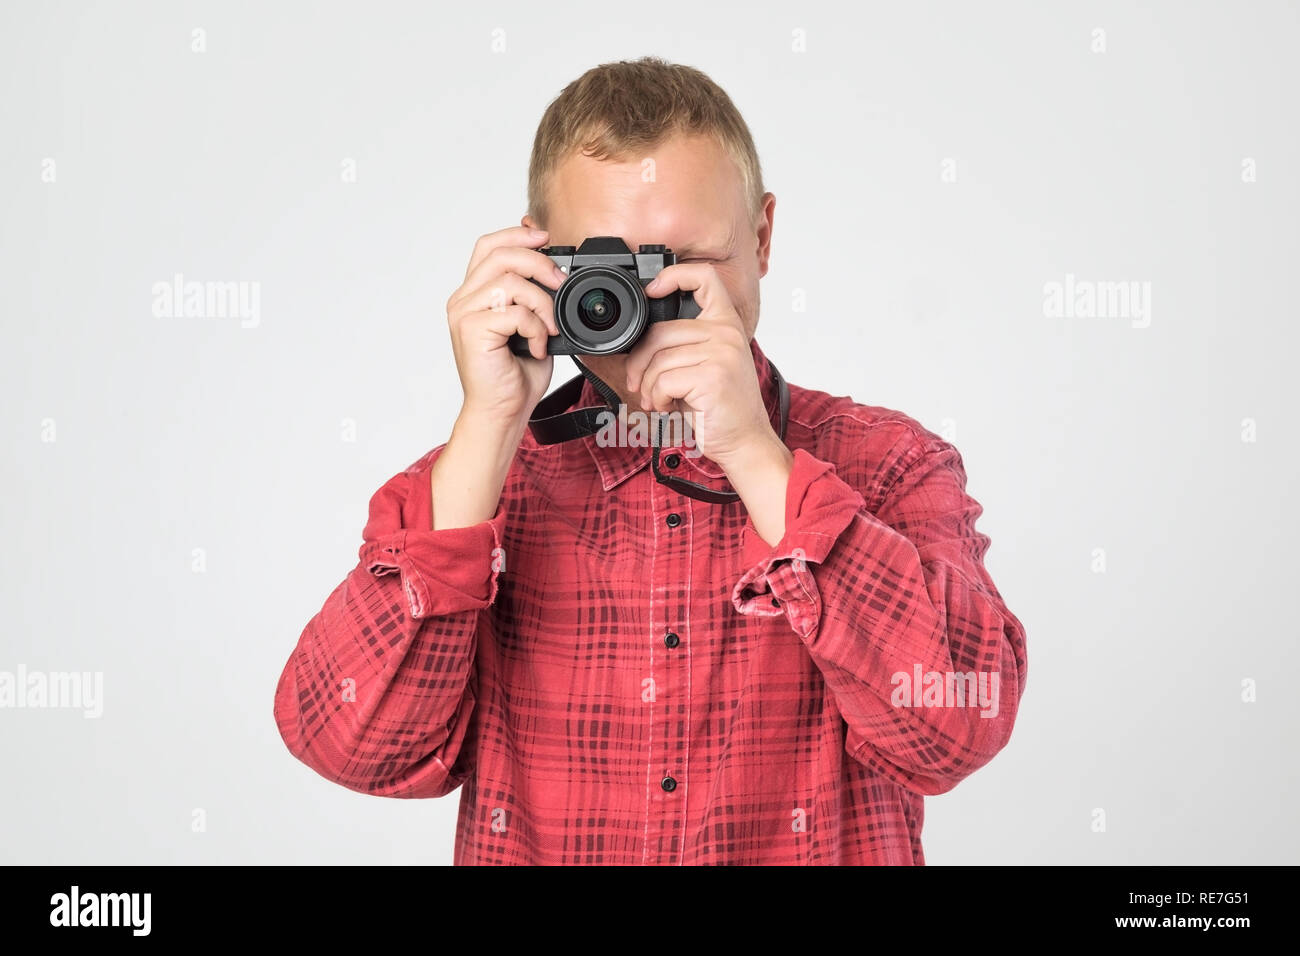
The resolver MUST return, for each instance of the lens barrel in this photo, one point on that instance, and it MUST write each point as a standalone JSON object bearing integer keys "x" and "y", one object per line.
{"x": 601, "y": 309}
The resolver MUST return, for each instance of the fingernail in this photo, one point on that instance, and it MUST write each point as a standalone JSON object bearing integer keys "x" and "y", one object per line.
{"x": 538, "y": 233}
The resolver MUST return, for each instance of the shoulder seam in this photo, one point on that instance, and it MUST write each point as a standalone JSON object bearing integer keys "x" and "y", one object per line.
{"x": 923, "y": 451}
{"x": 919, "y": 432}
{"x": 420, "y": 463}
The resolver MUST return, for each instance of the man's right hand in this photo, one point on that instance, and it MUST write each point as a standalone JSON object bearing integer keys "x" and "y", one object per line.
{"x": 495, "y": 301}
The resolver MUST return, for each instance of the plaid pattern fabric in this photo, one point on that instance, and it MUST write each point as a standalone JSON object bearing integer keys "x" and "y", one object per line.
{"x": 614, "y": 673}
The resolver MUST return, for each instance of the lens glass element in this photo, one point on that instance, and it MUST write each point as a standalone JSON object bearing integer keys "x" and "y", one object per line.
{"x": 601, "y": 309}
{"x": 598, "y": 309}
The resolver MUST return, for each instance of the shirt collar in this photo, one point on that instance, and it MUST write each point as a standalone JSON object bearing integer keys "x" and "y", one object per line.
{"x": 617, "y": 463}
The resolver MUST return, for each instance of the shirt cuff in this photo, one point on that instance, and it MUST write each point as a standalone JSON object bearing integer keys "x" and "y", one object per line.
{"x": 442, "y": 572}
{"x": 818, "y": 507}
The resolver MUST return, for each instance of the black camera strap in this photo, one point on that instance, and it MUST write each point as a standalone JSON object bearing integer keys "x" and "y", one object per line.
{"x": 552, "y": 424}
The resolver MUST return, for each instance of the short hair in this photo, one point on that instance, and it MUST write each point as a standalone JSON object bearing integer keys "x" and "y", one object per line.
{"x": 615, "y": 110}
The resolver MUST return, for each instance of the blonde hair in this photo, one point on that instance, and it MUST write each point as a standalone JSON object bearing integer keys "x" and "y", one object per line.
{"x": 616, "y": 110}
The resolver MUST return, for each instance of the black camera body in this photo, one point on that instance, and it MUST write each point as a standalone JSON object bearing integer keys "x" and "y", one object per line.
{"x": 602, "y": 308}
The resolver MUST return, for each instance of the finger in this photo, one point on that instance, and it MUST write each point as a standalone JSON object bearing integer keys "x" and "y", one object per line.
{"x": 681, "y": 382}
{"x": 671, "y": 359}
{"x": 682, "y": 277}
{"x": 513, "y": 236}
{"x": 661, "y": 336}
{"x": 516, "y": 319}
{"x": 510, "y": 289}
{"x": 705, "y": 286}
{"x": 528, "y": 263}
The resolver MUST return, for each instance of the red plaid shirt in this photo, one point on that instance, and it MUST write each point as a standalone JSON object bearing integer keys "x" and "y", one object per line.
{"x": 614, "y": 673}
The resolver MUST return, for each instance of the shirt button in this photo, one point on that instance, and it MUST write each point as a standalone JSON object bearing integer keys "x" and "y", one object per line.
{"x": 672, "y": 461}
{"x": 673, "y": 520}
{"x": 668, "y": 783}
{"x": 671, "y": 639}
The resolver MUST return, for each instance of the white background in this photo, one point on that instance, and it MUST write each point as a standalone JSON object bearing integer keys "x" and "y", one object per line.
{"x": 923, "y": 295}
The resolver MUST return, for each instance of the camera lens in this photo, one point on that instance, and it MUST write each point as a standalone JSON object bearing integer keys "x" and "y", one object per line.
{"x": 598, "y": 309}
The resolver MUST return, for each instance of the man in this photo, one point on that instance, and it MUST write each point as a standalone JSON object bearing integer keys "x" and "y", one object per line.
{"x": 614, "y": 667}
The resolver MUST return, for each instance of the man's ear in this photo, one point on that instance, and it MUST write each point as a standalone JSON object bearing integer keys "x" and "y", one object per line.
{"x": 763, "y": 228}
{"x": 528, "y": 222}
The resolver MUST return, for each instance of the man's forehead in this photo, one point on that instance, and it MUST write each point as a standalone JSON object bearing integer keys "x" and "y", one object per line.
{"x": 692, "y": 211}
{"x": 710, "y": 243}
{"x": 687, "y": 231}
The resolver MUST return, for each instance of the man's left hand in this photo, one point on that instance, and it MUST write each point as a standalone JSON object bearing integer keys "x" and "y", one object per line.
{"x": 702, "y": 367}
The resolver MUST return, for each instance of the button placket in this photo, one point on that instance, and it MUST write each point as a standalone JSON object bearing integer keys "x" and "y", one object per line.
{"x": 669, "y": 661}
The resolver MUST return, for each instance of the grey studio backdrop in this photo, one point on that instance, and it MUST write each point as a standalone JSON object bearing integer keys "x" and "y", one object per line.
{"x": 1061, "y": 235}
